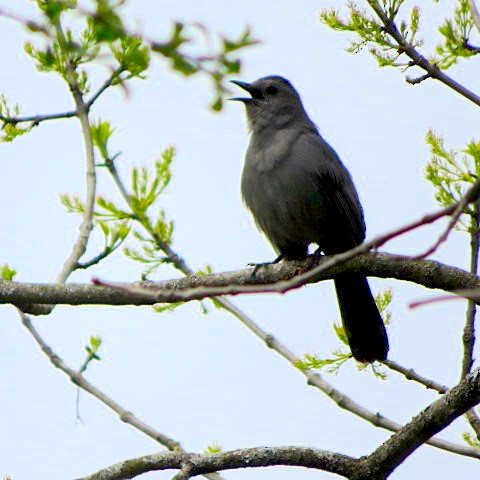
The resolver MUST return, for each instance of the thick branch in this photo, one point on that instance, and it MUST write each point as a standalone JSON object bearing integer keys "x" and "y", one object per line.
{"x": 428, "y": 273}
{"x": 432, "y": 420}
{"x": 247, "y": 458}
{"x": 378, "y": 465}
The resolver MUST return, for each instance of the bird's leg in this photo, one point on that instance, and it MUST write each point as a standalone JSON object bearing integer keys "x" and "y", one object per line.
{"x": 264, "y": 264}
{"x": 258, "y": 266}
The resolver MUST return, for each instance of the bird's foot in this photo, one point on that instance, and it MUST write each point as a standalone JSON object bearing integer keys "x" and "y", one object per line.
{"x": 258, "y": 266}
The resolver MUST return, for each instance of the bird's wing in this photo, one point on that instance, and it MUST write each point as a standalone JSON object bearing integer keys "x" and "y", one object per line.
{"x": 342, "y": 212}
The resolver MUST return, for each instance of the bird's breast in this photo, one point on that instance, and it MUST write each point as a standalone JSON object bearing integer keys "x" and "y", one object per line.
{"x": 283, "y": 198}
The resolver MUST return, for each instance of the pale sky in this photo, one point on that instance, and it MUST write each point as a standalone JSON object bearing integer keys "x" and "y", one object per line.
{"x": 204, "y": 379}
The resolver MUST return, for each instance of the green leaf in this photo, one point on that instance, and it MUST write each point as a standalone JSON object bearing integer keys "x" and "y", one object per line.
{"x": 340, "y": 333}
{"x": 455, "y": 32}
{"x": 72, "y": 203}
{"x": 111, "y": 211}
{"x": 107, "y": 25}
{"x": 132, "y": 55}
{"x": 470, "y": 440}
{"x": 383, "y": 299}
{"x": 95, "y": 342}
{"x": 329, "y": 365}
{"x": 213, "y": 448}
{"x": 10, "y": 132}
{"x": 370, "y": 32}
{"x": 7, "y": 273}
{"x": 53, "y": 9}
{"x": 451, "y": 172}
{"x": 167, "y": 308}
{"x": 101, "y": 133}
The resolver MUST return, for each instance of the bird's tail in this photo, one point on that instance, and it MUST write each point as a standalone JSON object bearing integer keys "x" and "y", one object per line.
{"x": 362, "y": 322}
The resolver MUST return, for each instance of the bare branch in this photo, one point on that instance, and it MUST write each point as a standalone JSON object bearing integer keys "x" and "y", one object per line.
{"x": 36, "y": 119}
{"x": 416, "y": 81}
{"x": 343, "y": 401}
{"x": 378, "y": 465}
{"x": 107, "y": 84}
{"x": 410, "y": 374}
{"x": 246, "y": 458}
{"x": 95, "y": 260}
{"x": 428, "y": 273}
{"x": 455, "y": 217}
{"x": 468, "y": 337}
{"x": 433, "y": 419}
{"x": 78, "y": 379}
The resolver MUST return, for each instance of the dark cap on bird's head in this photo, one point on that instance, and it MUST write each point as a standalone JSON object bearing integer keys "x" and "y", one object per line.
{"x": 263, "y": 88}
{"x": 273, "y": 99}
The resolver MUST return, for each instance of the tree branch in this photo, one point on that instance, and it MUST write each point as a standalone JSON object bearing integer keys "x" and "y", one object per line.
{"x": 417, "y": 58}
{"x": 468, "y": 337}
{"x": 246, "y": 458}
{"x": 107, "y": 84}
{"x": 36, "y": 119}
{"x": 429, "y": 273}
{"x": 378, "y": 465}
{"x": 410, "y": 374}
{"x": 475, "y": 14}
{"x": 78, "y": 379}
{"x": 86, "y": 226}
{"x": 343, "y": 401}
{"x": 432, "y": 420}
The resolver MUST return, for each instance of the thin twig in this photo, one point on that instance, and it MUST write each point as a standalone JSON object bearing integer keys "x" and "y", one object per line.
{"x": 107, "y": 84}
{"x": 96, "y": 259}
{"x": 416, "y": 81}
{"x": 78, "y": 379}
{"x": 469, "y": 331}
{"x": 378, "y": 465}
{"x": 36, "y": 119}
{"x": 410, "y": 374}
{"x": 472, "y": 294}
{"x": 475, "y": 14}
{"x": 26, "y": 22}
{"x": 86, "y": 227}
{"x": 343, "y": 401}
{"x": 417, "y": 58}
{"x": 455, "y": 217}
{"x": 468, "y": 337}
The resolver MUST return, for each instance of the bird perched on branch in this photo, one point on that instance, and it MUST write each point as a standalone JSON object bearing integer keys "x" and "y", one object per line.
{"x": 300, "y": 193}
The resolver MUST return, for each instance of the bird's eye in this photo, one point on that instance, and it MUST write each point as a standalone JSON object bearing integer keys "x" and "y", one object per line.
{"x": 271, "y": 90}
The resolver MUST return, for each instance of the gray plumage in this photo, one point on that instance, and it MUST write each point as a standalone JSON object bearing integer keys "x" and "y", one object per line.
{"x": 300, "y": 193}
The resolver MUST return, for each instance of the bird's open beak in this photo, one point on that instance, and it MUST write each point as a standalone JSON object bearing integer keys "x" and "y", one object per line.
{"x": 255, "y": 93}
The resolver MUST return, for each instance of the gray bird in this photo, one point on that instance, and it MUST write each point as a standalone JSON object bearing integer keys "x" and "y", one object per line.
{"x": 300, "y": 193}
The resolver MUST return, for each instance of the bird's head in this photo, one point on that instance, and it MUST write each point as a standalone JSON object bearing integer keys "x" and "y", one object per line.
{"x": 273, "y": 103}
